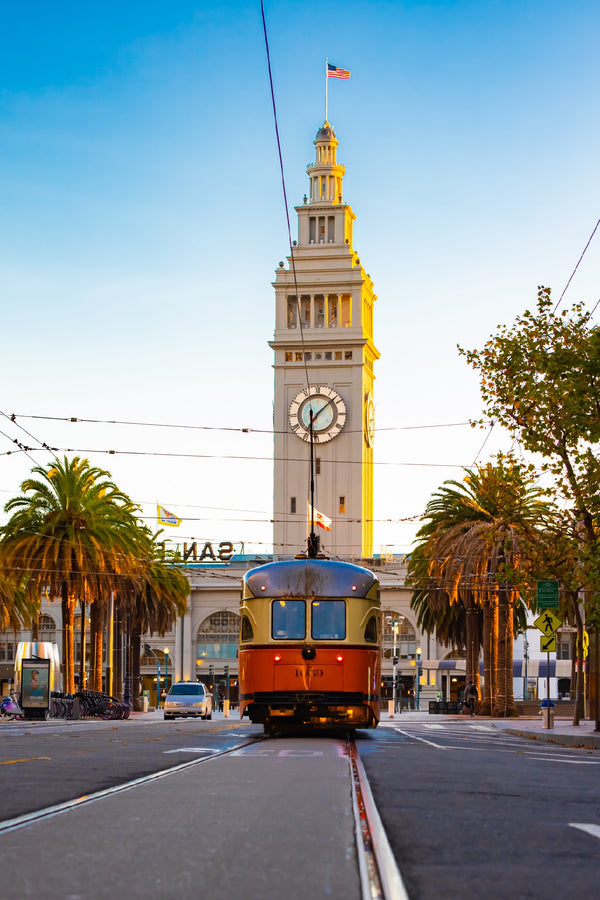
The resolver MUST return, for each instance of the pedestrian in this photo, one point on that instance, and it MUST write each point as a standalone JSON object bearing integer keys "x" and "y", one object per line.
{"x": 471, "y": 695}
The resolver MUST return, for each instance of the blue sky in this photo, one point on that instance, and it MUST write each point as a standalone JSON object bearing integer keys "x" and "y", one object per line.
{"x": 142, "y": 221}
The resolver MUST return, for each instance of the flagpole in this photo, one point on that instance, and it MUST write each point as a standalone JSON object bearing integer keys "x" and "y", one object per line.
{"x": 326, "y": 79}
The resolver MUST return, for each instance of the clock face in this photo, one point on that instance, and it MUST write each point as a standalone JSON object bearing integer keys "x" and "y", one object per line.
{"x": 328, "y": 413}
{"x": 369, "y": 420}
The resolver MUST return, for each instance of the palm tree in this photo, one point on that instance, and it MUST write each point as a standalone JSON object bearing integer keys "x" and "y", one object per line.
{"x": 470, "y": 551}
{"x": 16, "y": 608}
{"x": 158, "y": 599}
{"x": 72, "y": 532}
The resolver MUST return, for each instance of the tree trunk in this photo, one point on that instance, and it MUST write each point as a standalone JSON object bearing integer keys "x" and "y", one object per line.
{"x": 136, "y": 650}
{"x": 490, "y": 649}
{"x": 118, "y": 658}
{"x": 83, "y": 641}
{"x": 504, "y": 705}
{"x": 96, "y": 631}
{"x": 579, "y": 711}
{"x": 68, "y": 619}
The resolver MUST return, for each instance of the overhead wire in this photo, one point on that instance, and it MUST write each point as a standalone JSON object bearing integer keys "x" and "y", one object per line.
{"x": 237, "y": 429}
{"x": 559, "y": 301}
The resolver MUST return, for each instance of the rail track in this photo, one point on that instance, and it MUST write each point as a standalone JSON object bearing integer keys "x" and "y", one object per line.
{"x": 378, "y": 873}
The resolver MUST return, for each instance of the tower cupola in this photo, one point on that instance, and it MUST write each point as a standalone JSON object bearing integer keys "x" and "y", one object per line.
{"x": 325, "y": 173}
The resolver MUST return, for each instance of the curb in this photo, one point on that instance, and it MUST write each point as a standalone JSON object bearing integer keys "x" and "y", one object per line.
{"x": 586, "y": 740}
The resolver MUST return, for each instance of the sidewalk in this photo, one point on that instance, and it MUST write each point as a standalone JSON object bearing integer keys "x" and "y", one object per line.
{"x": 564, "y": 732}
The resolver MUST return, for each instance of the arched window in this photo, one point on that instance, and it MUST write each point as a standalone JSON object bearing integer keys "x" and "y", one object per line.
{"x": 149, "y": 659}
{"x": 218, "y": 636}
{"x": 406, "y": 639}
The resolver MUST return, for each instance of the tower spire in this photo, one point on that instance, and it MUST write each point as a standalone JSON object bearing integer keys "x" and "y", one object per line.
{"x": 325, "y": 174}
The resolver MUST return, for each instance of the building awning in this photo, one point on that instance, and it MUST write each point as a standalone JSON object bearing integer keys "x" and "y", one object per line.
{"x": 457, "y": 664}
{"x": 536, "y": 668}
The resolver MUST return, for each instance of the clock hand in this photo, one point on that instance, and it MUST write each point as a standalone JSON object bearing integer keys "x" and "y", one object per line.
{"x": 325, "y": 405}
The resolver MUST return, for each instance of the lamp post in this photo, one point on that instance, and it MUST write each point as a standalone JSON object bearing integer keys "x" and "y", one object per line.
{"x": 167, "y": 670}
{"x": 393, "y": 621}
{"x": 418, "y": 675}
{"x": 148, "y": 650}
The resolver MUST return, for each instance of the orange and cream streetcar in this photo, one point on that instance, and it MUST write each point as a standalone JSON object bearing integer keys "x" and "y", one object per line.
{"x": 309, "y": 645}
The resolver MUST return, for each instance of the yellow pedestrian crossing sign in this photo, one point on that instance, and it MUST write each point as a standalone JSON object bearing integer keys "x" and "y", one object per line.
{"x": 548, "y": 644}
{"x": 586, "y": 645}
{"x": 547, "y": 622}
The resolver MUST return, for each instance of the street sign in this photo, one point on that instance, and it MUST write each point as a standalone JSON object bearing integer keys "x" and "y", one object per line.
{"x": 586, "y": 645}
{"x": 547, "y": 594}
{"x": 547, "y": 622}
{"x": 548, "y": 644}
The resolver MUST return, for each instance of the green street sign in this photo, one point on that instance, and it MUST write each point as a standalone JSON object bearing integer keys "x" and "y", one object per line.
{"x": 547, "y": 594}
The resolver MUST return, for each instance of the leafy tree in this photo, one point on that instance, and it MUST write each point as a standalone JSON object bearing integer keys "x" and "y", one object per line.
{"x": 470, "y": 555}
{"x": 72, "y": 531}
{"x": 540, "y": 378}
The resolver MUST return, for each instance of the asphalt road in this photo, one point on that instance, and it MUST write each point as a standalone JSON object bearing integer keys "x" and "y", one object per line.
{"x": 271, "y": 818}
{"x": 470, "y": 811}
{"x": 44, "y": 763}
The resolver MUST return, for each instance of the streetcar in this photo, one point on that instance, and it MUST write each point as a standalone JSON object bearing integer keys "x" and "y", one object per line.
{"x": 309, "y": 651}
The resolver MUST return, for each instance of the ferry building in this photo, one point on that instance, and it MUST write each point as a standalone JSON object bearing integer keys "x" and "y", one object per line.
{"x": 324, "y": 356}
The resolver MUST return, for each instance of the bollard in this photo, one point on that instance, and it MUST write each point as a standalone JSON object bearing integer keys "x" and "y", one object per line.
{"x": 547, "y": 717}
{"x": 226, "y": 708}
{"x": 391, "y": 709}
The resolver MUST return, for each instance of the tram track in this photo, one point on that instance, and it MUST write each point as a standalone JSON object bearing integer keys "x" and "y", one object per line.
{"x": 378, "y": 874}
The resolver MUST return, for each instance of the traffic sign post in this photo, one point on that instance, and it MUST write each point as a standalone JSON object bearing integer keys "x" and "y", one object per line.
{"x": 547, "y": 623}
{"x": 548, "y": 644}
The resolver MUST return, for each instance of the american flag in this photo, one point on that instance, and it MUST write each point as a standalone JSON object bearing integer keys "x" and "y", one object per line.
{"x": 336, "y": 72}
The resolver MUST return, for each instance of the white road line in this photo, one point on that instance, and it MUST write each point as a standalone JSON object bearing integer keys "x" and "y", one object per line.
{"x": 571, "y": 762}
{"x": 192, "y": 750}
{"x": 423, "y": 741}
{"x": 439, "y": 727}
{"x": 594, "y": 830}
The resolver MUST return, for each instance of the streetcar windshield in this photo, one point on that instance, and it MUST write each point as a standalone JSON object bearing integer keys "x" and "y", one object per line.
{"x": 288, "y": 620}
{"x": 328, "y": 620}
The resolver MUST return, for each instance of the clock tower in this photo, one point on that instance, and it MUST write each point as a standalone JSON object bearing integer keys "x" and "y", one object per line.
{"x": 324, "y": 356}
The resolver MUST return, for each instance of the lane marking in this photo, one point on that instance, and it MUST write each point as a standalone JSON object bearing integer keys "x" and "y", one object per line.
{"x": 423, "y": 740}
{"x": 10, "y": 762}
{"x": 192, "y": 750}
{"x": 570, "y": 762}
{"x": 594, "y": 830}
{"x": 439, "y": 727}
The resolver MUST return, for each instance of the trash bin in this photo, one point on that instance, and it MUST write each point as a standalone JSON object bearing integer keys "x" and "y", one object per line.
{"x": 434, "y": 707}
{"x": 547, "y": 717}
